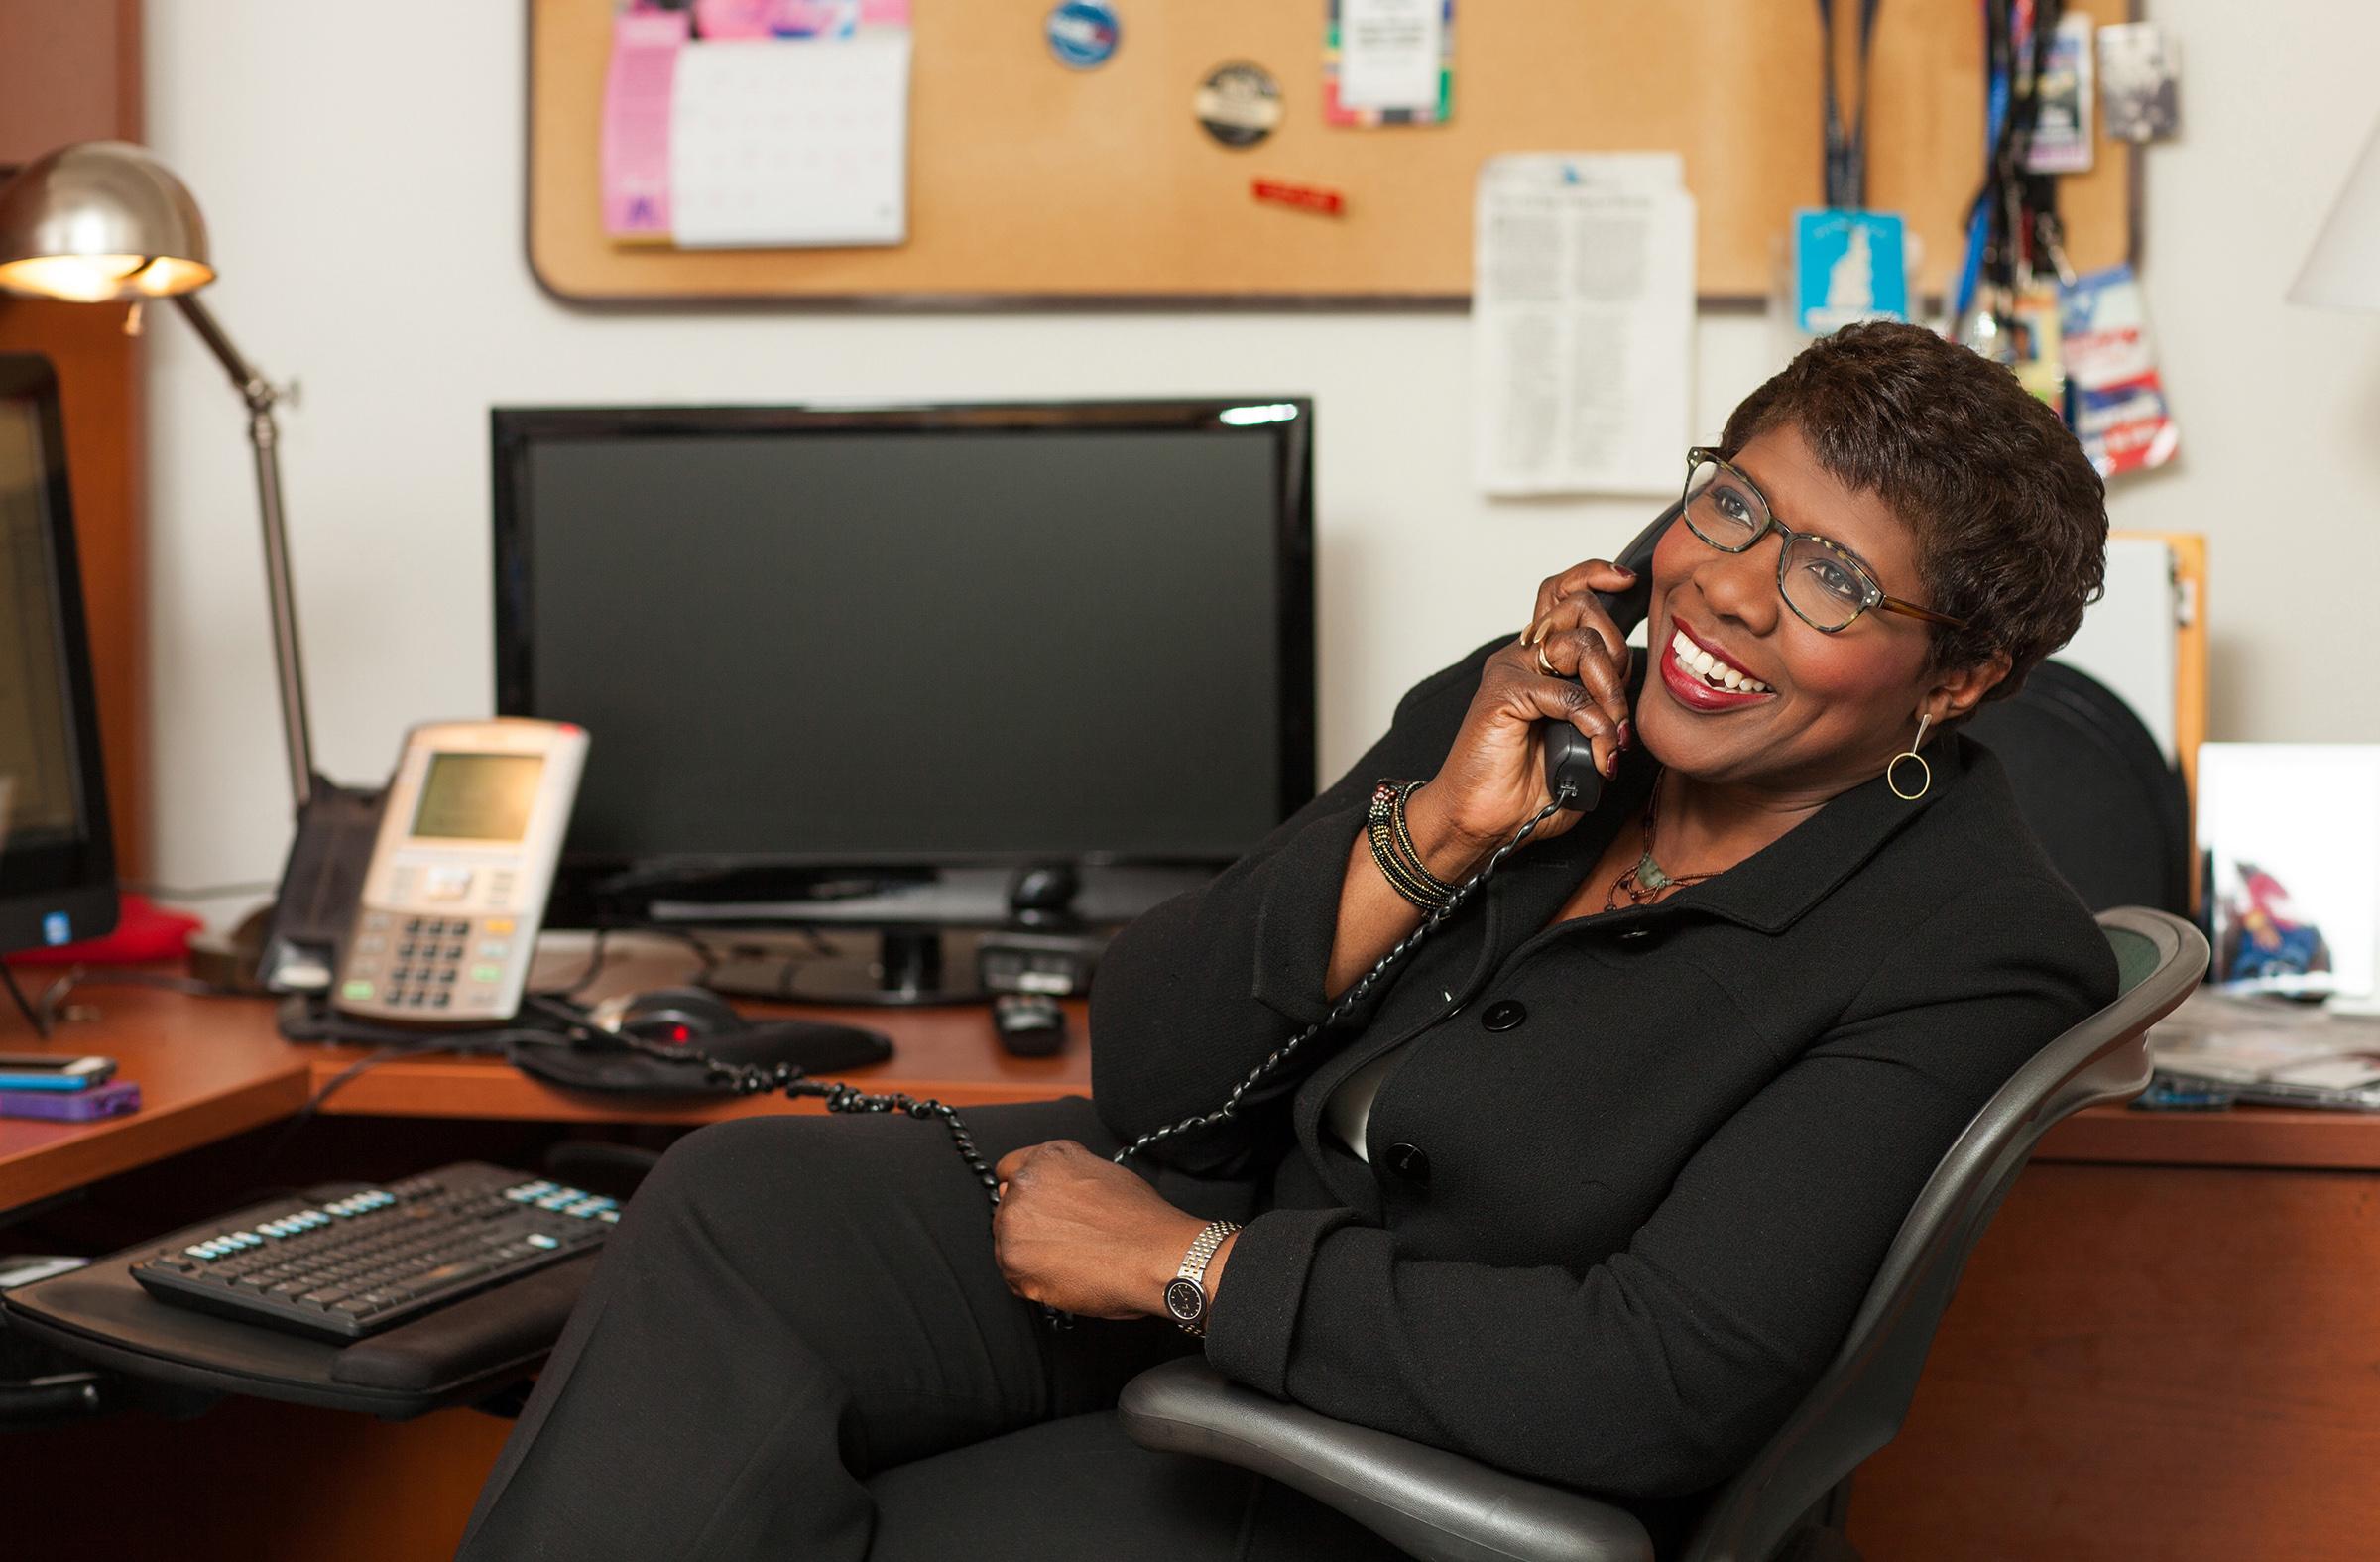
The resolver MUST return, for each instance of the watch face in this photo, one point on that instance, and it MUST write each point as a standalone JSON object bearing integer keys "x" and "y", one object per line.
{"x": 1185, "y": 1301}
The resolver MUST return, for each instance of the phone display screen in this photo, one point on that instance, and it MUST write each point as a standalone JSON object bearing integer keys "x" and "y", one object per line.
{"x": 478, "y": 796}
{"x": 36, "y": 1062}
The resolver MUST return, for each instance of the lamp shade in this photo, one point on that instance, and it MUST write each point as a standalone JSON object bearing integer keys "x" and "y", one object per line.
{"x": 100, "y": 220}
{"x": 2344, "y": 269}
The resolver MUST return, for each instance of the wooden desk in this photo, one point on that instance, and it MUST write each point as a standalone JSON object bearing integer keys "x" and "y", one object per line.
{"x": 2161, "y": 1348}
{"x": 210, "y": 1068}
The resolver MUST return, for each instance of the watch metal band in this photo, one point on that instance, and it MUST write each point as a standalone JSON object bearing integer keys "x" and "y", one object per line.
{"x": 1186, "y": 1296}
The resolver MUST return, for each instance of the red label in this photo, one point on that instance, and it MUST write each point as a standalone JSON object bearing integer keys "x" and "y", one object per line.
{"x": 1306, "y": 198}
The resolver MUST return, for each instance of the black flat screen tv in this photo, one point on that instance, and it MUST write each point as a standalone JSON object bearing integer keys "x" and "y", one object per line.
{"x": 813, "y": 641}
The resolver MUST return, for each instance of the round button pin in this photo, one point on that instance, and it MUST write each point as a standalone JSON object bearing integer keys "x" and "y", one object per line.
{"x": 1082, "y": 34}
{"x": 1238, "y": 103}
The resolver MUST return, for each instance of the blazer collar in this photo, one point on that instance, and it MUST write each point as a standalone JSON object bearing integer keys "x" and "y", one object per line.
{"x": 1772, "y": 887}
{"x": 1768, "y": 891}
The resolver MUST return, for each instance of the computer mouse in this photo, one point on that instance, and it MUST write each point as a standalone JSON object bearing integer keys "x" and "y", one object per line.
{"x": 702, "y": 1021}
{"x": 671, "y": 1013}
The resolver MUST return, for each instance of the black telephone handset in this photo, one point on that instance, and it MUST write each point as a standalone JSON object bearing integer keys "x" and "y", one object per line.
{"x": 1569, "y": 762}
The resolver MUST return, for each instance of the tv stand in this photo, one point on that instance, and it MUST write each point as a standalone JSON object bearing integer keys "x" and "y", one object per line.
{"x": 907, "y": 971}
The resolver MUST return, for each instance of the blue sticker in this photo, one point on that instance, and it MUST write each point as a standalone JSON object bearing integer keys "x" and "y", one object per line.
{"x": 1847, "y": 266}
{"x": 1082, "y": 34}
{"x": 56, "y": 930}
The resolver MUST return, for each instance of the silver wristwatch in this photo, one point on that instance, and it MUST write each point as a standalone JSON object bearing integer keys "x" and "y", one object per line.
{"x": 1186, "y": 1294}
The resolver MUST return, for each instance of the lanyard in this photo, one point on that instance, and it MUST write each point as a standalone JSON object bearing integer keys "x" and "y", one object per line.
{"x": 1846, "y": 169}
{"x": 2014, "y": 220}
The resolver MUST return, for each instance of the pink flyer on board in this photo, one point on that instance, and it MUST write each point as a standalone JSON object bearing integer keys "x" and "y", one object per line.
{"x": 637, "y": 95}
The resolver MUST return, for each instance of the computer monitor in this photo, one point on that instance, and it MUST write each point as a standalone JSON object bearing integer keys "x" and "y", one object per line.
{"x": 908, "y": 641}
{"x": 58, "y": 865}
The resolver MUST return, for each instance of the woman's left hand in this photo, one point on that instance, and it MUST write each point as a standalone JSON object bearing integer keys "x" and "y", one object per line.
{"x": 1079, "y": 1233}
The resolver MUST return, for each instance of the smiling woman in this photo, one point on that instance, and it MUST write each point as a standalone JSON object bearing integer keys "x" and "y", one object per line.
{"x": 1590, "y": 1191}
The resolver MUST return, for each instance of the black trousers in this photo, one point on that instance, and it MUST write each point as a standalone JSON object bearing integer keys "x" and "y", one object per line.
{"x": 797, "y": 1344}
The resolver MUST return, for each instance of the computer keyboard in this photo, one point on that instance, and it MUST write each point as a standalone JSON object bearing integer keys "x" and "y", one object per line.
{"x": 354, "y": 1261}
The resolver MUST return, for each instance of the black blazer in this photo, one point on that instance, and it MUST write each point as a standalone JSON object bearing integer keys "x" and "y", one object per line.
{"x": 1630, "y": 1175}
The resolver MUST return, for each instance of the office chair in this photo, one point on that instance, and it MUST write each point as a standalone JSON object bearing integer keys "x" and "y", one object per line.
{"x": 1443, "y": 1508}
{"x": 2093, "y": 787}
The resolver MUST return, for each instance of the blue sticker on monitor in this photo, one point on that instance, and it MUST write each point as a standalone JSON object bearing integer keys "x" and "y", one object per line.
{"x": 1082, "y": 34}
{"x": 57, "y": 929}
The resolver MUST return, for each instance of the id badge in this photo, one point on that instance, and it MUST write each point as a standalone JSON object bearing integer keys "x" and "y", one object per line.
{"x": 2140, "y": 75}
{"x": 2061, "y": 121}
{"x": 2036, "y": 344}
{"x": 2119, "y": 408}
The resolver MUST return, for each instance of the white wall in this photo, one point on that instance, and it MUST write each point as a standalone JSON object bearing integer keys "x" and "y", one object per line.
{"x": 361, "y": 170}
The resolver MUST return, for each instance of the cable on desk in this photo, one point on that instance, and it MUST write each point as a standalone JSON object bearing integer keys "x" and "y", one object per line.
{"x": 355, "y": 1070}
{"x": 587, "y": 978}
{"x": 32, "y": 1017}
{"x": 49, "y": 1008}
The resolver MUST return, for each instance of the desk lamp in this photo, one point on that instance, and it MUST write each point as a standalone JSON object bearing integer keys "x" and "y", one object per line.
{"x": 104, "y": 222}
{"x": 2343, "y": 271}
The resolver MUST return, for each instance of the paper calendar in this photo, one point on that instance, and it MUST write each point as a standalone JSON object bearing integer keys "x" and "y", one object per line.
{"x": 786, "y": 143}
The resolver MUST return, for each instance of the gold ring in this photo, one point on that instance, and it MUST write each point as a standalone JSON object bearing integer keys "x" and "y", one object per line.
{"x": 1544, "y": 666}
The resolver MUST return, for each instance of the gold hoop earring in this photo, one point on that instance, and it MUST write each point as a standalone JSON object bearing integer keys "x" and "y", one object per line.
{"x": 1893, "y": 769}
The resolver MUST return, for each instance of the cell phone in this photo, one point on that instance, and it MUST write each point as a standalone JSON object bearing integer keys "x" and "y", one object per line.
{"x": 53, "y": 1071}
{"x": 73, "y": 1106}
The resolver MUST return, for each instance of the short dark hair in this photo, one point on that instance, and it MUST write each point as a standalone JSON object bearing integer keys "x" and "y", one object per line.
{"x": 2011, "y": 518}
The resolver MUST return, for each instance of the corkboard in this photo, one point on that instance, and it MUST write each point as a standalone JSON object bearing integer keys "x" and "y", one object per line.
{"x": 1034, "y": 184}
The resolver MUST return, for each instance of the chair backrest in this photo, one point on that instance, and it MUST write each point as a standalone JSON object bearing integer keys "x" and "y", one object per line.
{"x": 1858, "y": 1405}
{"x": 2093, "y": 787}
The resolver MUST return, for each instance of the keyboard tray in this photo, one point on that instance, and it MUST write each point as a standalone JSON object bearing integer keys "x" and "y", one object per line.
{"x": 456, "y": 1355}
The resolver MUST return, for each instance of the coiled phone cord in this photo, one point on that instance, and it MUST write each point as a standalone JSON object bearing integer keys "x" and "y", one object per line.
{"x": 747, "y": 1079}
{"x": 1354, "y": 996}
{"x": 750, "y": 1079}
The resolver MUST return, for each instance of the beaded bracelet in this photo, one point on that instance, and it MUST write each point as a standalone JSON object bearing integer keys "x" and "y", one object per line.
{"x": 1400, "y": 878}
{"x": 1393, "y": 852}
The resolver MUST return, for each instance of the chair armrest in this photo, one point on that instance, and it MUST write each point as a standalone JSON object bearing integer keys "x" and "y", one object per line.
{"x": 1438, "y": 1506}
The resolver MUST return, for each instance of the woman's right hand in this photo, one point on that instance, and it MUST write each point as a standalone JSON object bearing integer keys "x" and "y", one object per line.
{"x": 1492, "y": 779}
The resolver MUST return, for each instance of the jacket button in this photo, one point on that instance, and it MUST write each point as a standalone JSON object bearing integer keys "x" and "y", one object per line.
{"x": 1504, "y": 1015}
{"x": 1637, "y": 932}
{"x": 1408, "y": 1162}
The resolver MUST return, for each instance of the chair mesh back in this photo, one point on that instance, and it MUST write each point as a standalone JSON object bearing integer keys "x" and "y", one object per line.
{"x": 2135, "y": 957}
{"x": 1858, "y": 1405}
{"x": 2095, "y": 788}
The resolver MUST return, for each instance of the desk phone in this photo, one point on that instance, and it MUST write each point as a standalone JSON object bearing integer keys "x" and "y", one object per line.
{"x": 461, "y": 870}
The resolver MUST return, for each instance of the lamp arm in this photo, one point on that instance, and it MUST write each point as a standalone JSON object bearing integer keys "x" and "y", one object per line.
{"x": 263, "y": 437}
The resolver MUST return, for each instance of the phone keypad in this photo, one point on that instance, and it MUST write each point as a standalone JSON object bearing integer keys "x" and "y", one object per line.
{"x": 425, "y": 966}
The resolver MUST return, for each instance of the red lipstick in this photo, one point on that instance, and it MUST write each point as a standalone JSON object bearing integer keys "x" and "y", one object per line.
{"x": 1696, "y": 693}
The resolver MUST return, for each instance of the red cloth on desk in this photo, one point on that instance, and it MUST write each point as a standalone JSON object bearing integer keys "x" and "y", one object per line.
{"x": 145, "y": 934}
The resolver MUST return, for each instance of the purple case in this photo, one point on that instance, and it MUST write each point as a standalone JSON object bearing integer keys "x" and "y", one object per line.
{"x": 76, "y": 1105}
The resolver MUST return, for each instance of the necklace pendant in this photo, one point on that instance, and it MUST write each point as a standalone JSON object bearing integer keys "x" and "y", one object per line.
{"x": 1649, "y": 873}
